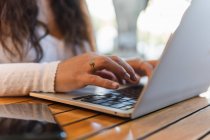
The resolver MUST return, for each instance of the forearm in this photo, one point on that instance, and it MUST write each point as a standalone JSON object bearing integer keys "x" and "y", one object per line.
{"x": 19, "y": 79}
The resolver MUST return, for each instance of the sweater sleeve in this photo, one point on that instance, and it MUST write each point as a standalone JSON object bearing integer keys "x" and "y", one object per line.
{"x": 19, "y": 79}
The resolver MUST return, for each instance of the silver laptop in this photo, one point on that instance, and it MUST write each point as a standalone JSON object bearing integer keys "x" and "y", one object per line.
{"x": 183, "y": 72}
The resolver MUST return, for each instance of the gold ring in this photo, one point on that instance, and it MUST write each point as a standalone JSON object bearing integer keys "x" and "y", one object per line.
{"x": 92, "y": 64}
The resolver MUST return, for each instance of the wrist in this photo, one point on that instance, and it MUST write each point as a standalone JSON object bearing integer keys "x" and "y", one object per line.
{"x": 58, "y": 77}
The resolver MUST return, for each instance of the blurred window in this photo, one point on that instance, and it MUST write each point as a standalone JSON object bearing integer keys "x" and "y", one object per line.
{"x": 154, "y": 25}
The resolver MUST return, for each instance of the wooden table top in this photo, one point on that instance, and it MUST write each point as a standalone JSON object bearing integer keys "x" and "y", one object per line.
{"x": 186, "y": 120}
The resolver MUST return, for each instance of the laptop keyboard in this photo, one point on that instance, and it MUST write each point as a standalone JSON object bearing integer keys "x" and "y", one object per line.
{"x": 124, "y": 99}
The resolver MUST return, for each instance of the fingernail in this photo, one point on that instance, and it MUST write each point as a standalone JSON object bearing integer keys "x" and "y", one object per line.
{"x": 115, "y": 85}
{"x": 134, "y": 78}
{"x": 124, "y": 82}
{"x": 127, "y": 76}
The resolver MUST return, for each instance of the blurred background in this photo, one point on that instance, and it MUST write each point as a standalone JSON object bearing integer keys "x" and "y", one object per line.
{"x": 135, "y": 28}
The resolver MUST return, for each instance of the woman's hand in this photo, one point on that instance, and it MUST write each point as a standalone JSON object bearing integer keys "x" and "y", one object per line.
{"x": 77, "y": 72}
{"x": 142, "y": 68}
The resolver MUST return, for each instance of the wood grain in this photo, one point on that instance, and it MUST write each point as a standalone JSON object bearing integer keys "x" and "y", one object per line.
{"x": 10, "y": 100}
{"x": 89, "y": 126}
{"x": 152, "y": 122}
{"x": 39, "y": 101}
{"x": 72, "y": 116}
{"x": 186, "y": 120}
{"x": 58, "y": 108}
{"x": 192, "y": 127}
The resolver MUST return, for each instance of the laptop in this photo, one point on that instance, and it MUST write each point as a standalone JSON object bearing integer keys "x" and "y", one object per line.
{"x": 182, "y": 73}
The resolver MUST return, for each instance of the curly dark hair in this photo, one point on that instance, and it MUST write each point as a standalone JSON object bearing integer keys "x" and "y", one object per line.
{"x": 18, "y": 21}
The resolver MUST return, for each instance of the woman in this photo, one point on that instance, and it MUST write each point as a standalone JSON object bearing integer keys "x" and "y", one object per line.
{"x": 47, "y": 45}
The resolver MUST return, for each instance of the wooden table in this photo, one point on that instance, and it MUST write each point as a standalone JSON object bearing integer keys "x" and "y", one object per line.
{"x": 186, "y": 120}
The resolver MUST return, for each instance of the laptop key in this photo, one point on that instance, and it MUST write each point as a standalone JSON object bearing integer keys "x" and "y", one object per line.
{"x": 132, "y": 101}
{"x": 105, "y": 104}
{"x": 98, "y": 101}
{"x": 118, "y": 105}
{"x": 126, "y": 98}
{"x": 127, "y": 107}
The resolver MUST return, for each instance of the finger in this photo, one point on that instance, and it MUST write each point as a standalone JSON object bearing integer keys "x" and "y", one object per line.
{"x": 126, "y": 66}
{"x": 145, "y": 69}
{"x": 137, "y": 79}
{"x": 135, "y": 82}
{"x": 99, "y": 81}
{"x": 107, "y": 75}
{"x": 154, "y": 63}
{"x": 107, "y": 63}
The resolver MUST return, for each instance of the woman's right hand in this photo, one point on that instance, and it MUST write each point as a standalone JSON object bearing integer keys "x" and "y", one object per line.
{"x": 77, "y": 72}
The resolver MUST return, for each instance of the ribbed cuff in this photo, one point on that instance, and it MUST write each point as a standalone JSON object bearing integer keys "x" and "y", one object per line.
{"x": 49, "y": 74}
